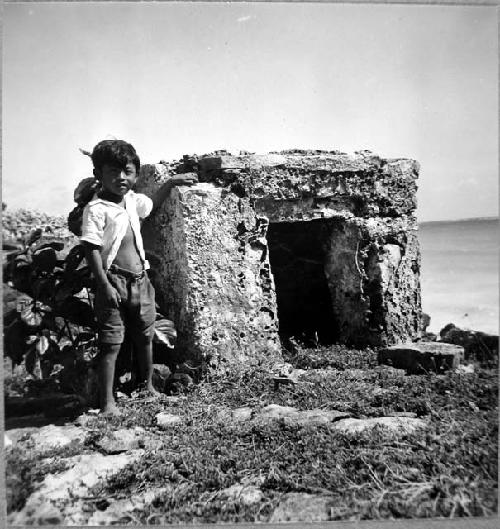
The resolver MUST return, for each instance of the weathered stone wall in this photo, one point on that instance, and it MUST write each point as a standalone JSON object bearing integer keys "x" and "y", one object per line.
{"x": 213, "y": 273}
{"x": 341, "y": 226}
{"x": 372, "y": 269}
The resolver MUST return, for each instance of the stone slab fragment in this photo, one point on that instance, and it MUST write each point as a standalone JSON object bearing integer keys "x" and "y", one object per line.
{"x": 293, "y": 416}
{"x": 421, "y": 357}
{"x": 244, "y": 494}
{"x": 166, "y": 420}
{"x": 119, "y": 441}
{"x": 400, "y": 425}
{"x": 363, "y": 183}
{"x": 302, "y": 507}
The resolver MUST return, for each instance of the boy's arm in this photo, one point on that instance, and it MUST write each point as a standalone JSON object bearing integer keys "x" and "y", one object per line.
{"x": 93, "y": 256}
{"x": 186, "y": 179}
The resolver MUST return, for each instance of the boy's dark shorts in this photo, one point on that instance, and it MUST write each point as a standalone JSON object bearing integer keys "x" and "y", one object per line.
{"x": 137, "y": 311}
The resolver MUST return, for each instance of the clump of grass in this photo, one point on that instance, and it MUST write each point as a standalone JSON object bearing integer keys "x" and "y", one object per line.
{"x": 334, "y": 357}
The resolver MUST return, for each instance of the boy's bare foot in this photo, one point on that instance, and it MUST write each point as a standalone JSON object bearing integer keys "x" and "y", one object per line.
{"x": 145, "y": 391}
{"x": 110, "y": 410}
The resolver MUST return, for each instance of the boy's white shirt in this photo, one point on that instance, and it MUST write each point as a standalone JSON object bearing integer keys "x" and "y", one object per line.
{"x": 105, "y": 223}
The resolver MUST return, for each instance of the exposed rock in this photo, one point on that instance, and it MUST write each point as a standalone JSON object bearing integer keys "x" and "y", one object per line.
{"x": 275, "y": 411}
{"x": 422, "y": 357}
{"x": 302, "y": 507}
{"x": 49, "y": 437}
{"x": 315, "y": 417}
{"x": 242, "y": 414}
{"x": 244, "y": 494}
{"x": 161, "y": 373}
{"x": 401, "y": 425}
{"x": 301, "y": 418}
{"x": 57, "y": 496}
{"x": 166, "y": 420}
{"x": 118, "y": 511}
{"x": 465, "y": 369}
{"x": 17, "y": 434}
{"x": 476, "y": 344}
{"x": 409, "y": 414}
{"x": 7, "y": 442}
{"x": 118, "y": 441}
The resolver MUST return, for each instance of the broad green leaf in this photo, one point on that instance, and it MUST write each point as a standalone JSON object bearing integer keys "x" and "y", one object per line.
{"x": 64, "y": 342}
{"x": 42, "y": 345}
{"x": 74, "y": 258}
{"x": 57, "y": 245}
{"x": 160, "y": 337}
{"x": 34, "y": 236}
{"x": 32, "y": 314}
{"x": 45, "y": 259}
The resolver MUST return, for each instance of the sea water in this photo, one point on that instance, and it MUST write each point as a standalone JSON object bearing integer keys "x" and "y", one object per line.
{"x": 459, "y": 274}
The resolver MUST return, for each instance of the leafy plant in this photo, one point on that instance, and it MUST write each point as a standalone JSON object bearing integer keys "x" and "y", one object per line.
{"x": 51, "y": 330}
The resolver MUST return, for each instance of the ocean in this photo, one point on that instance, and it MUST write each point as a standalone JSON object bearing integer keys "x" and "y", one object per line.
{"x": 459, "y": 274}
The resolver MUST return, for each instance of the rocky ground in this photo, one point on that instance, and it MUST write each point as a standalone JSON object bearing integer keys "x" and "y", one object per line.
{"x": 344, "y": 438}
{"x": 331, "y": 435}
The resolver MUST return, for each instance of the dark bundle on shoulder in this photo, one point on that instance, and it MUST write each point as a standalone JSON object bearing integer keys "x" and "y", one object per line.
{"x": 82, "y": 196}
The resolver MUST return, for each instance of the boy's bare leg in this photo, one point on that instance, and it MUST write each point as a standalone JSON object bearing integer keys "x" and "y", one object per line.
{"x": 144, "y": 351}
{"x": 109, "y": 353}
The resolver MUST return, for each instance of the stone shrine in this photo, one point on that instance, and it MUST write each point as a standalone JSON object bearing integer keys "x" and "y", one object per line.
{"x": 317, "y": 245}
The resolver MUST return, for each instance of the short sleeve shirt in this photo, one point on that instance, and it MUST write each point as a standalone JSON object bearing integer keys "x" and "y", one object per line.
{"x": 105, "y": 224}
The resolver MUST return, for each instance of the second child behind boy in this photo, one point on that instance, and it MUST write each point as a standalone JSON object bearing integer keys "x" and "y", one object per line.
{"x": 115, "y": 254}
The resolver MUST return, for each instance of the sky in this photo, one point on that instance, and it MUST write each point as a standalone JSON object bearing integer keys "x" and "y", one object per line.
{"x": 405, "y": 81}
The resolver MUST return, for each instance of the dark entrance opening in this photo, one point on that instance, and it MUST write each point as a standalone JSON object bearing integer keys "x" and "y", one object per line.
{"x": 297, "y": 253}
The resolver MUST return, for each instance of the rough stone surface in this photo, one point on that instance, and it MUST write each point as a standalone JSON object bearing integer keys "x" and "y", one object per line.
{"x": 401, "y": 425}
{"x": 422, "y": 357}
{"x": 214, "y": 279}
{"x": 476, "y": 344}
{"x": 49, "y": 437}
{"x": 118, "y": 441}
{"x": 16, "y": 434}
{"x": 302, "y": 507}
{"x": 119, "y": 511}
{"x": 166, "y": 420}
{"x": 161, "y": 373}
{"x": 308, "y": 243}
{"x": 244, "y": 494}
{"x": 292, "y": 415}
{"x": 242, "y": 414}
{"x": 47, "y": 502}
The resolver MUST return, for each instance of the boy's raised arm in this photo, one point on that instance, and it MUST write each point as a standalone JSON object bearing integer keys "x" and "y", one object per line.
{"x": 186, "y": 179}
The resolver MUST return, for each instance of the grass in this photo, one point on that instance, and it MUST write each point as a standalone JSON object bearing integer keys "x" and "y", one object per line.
{"x": 447, "y": 470}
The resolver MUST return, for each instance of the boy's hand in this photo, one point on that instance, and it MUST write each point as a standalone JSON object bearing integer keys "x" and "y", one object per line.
{"x": 186, "y": 179}
{"x": 111, "y": 296}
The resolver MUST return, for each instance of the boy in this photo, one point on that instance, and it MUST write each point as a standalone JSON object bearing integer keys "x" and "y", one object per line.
{"x": 115, "y": 254}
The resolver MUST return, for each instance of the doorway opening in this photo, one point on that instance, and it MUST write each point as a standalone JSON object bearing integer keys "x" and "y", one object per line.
{"x": 297, "y": 252}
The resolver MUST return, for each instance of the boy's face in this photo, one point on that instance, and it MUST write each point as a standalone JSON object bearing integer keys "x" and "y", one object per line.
{"x": 115, "y": 179}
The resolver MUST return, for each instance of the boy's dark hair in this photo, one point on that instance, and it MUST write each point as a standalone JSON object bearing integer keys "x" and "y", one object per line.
{"x": 114, "y": 152}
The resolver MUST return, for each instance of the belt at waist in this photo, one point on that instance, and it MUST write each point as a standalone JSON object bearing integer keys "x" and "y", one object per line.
{"x": 126, "y": 273}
